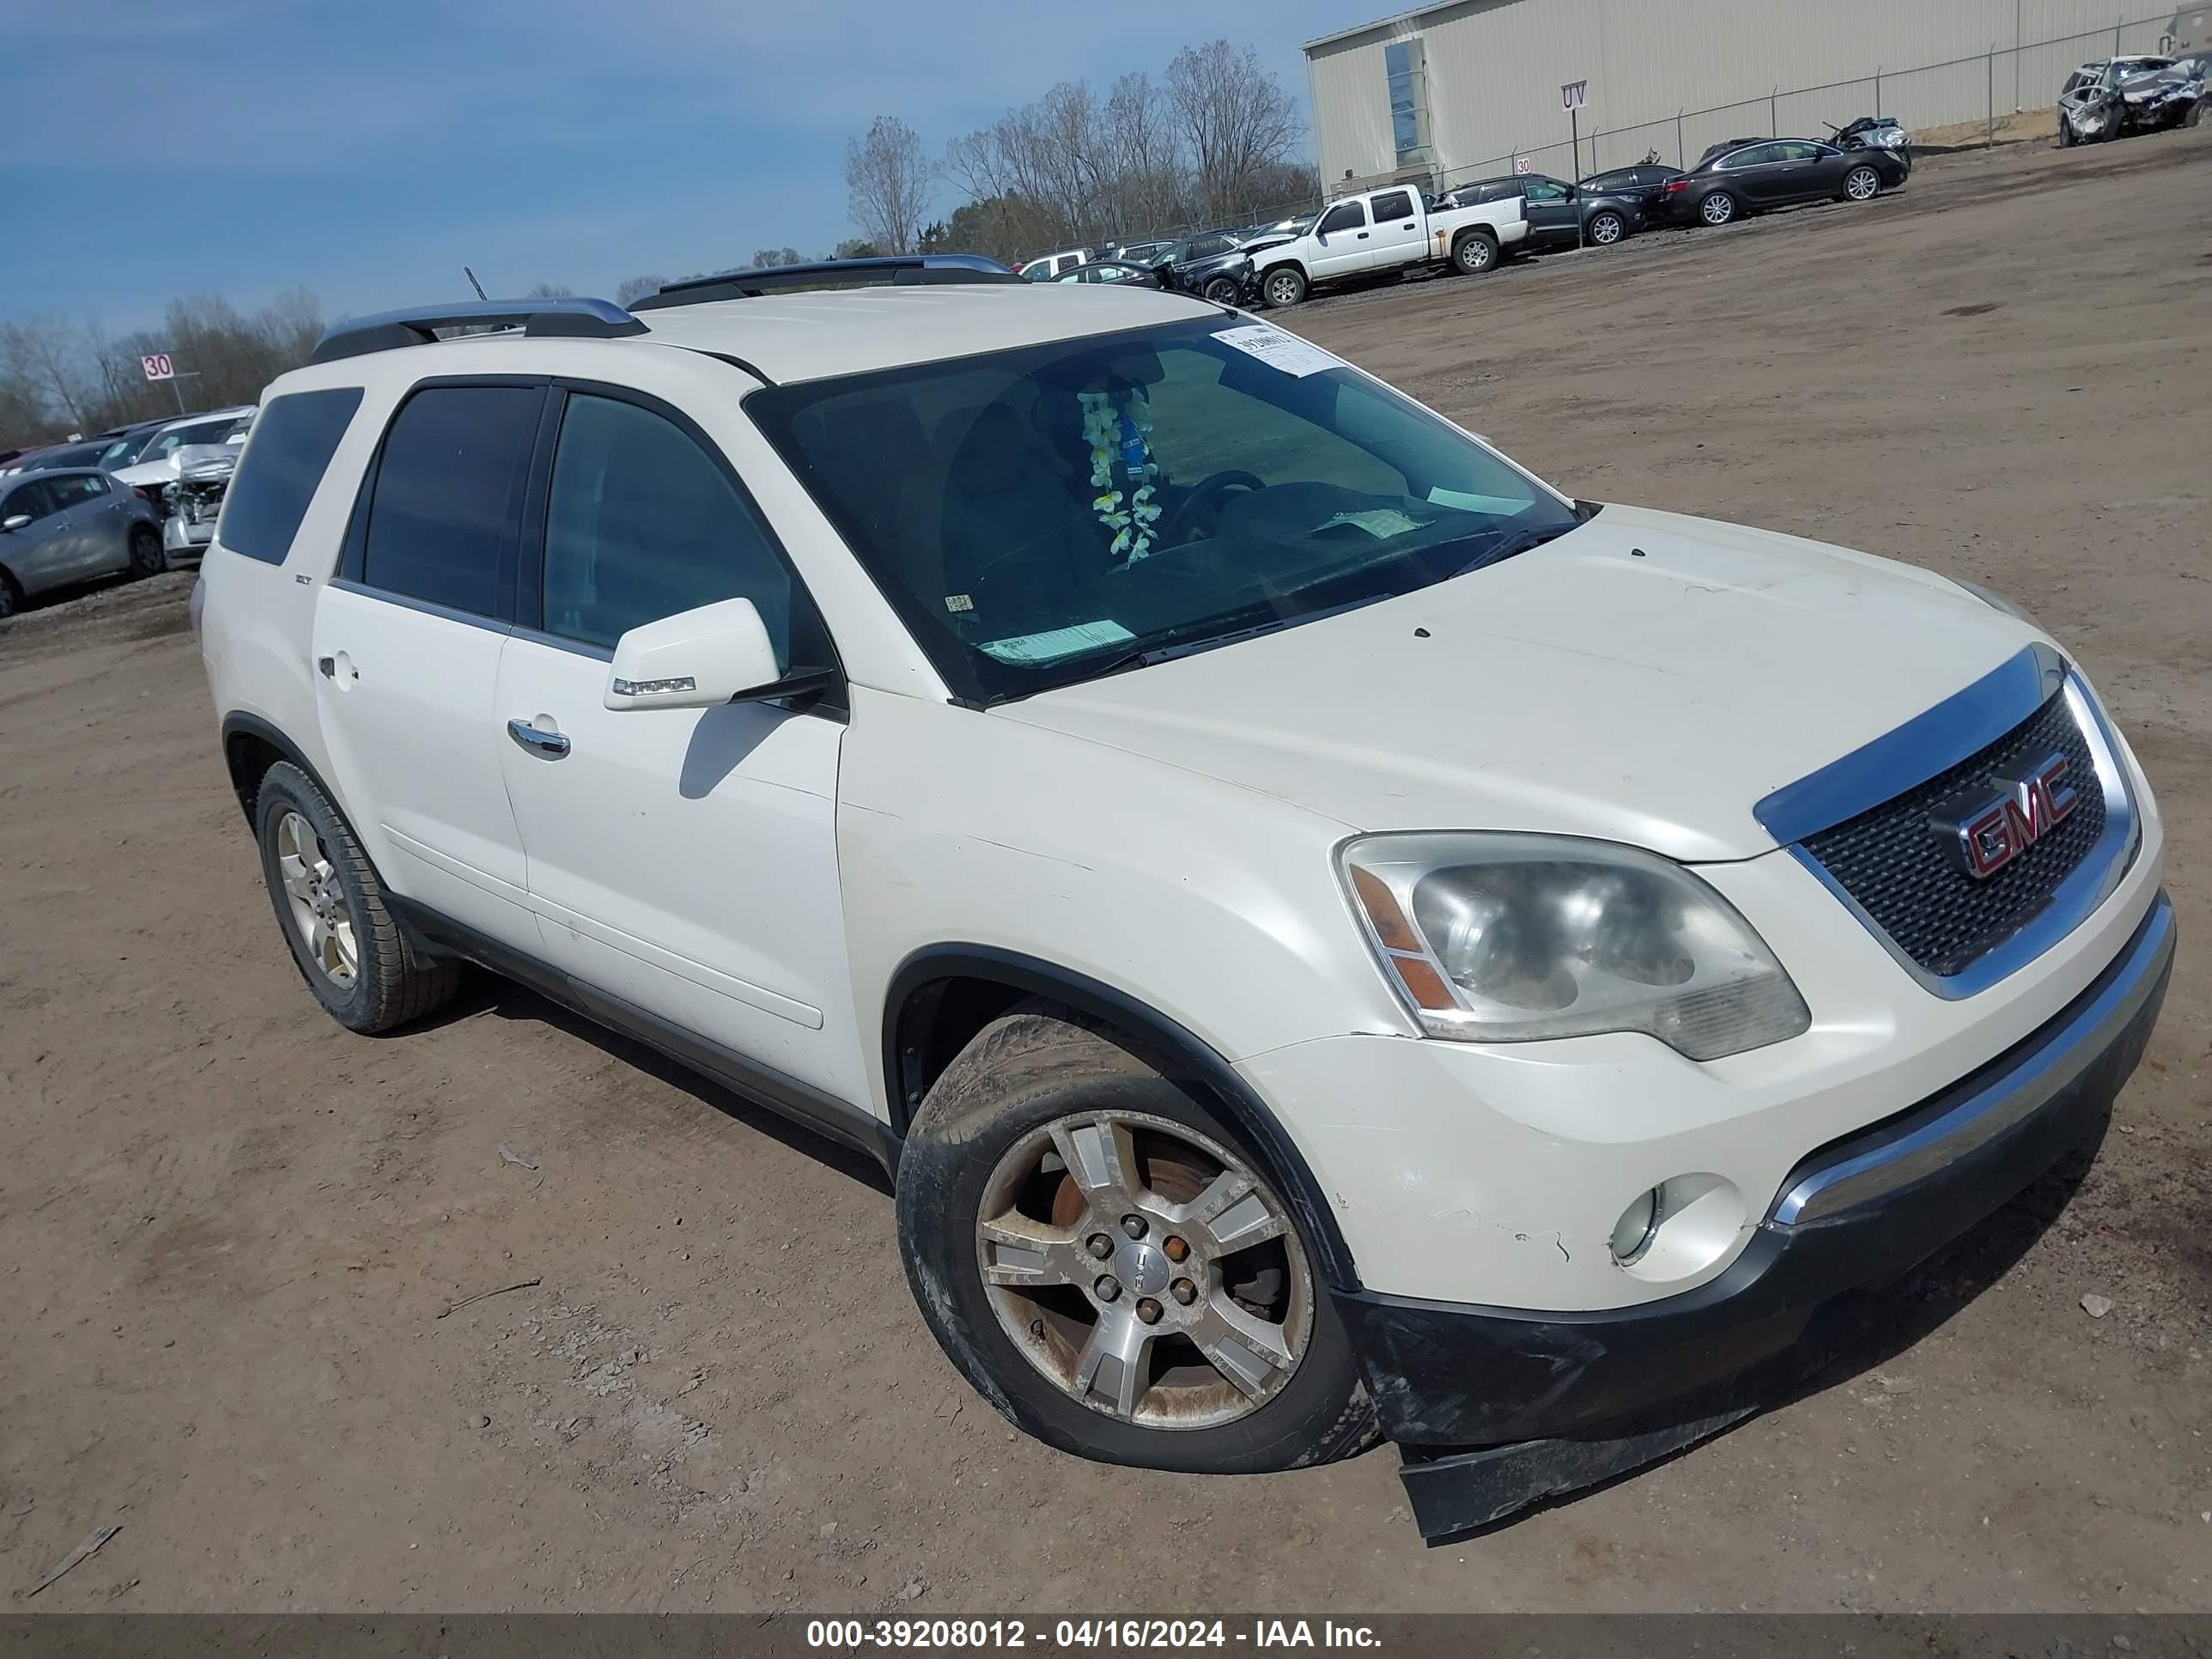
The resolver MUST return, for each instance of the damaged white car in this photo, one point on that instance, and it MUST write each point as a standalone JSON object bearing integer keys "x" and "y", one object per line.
{"x": 195, "y": 500}
{"x": 2119, "y": 95}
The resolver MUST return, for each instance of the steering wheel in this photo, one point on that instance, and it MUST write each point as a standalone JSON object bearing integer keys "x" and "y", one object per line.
{"x": 1177, "y": 523}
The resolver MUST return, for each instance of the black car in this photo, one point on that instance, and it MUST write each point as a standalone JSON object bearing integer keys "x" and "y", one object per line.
{"x": 77, "y": 454}
{"x": 1770, "y": 173}
{"x": 1561, "y": 214}
{"x": 1641, "y": 185}
{"x": 1215, "y": 266}
{"x": 1188, "y": 250}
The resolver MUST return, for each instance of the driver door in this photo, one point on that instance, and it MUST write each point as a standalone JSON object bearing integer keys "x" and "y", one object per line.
{"x": 1342, "y": 242}
{"x": 1552, "y": 211}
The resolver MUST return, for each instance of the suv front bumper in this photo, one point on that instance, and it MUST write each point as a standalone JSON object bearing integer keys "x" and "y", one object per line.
{"x": 1852, "y": 1217}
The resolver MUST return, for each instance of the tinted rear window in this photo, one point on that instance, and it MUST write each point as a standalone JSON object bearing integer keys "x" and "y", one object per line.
{"x": 277, "y": 475}
{"x": 445, "y": 493}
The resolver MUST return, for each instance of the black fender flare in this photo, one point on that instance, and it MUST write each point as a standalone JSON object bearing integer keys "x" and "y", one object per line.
{"x": 904, "y": 998}
{"x": 237, "y": 724}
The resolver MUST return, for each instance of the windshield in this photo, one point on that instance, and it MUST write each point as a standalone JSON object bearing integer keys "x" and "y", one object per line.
{"x": 1043, "y": 516}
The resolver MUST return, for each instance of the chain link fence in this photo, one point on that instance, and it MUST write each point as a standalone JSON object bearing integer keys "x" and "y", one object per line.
{"x": 1989, "y": 85}
{"x": 1992, "y": 85}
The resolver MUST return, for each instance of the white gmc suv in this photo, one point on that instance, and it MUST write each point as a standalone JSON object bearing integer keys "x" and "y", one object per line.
{"x": 1328, "y": 934}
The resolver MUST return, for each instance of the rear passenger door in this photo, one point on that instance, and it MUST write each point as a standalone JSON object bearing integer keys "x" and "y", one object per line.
{"x": 682, "y": 861}
{"x": 407, "y": 643}
{"x": 1399, "y": 236}
{"x": 1753, "y": 173}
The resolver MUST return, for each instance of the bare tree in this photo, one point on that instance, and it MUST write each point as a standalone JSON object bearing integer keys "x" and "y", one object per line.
{"x": 766, "y": 257}
{"x": 56, "y": 378}
{"x": 1235, "y": 117}
{"x": 636, "y": 288}
{"x": 888, "y": 177}
{"x": 1142, "y": 167}
{"x": 550, "y": 291}
{"x": 44, "y": 355}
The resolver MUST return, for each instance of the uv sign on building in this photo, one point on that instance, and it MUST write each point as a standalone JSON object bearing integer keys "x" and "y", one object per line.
{"x": 1453, "y": 91}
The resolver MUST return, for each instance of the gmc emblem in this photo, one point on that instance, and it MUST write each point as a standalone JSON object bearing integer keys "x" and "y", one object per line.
{"x": 1987, "y": 827}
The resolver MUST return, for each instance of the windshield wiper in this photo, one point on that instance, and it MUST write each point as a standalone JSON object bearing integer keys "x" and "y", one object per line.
{"x": 1520, "y": 542}
{"x": 1151, "y": 655}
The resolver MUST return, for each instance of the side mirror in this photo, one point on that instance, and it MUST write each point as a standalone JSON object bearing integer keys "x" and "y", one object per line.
{"x": 699, "y": 659}
{"x": 14, "y": 521}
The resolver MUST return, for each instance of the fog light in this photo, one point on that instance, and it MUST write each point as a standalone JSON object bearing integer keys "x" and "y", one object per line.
{"x": 1632, "y": 1234}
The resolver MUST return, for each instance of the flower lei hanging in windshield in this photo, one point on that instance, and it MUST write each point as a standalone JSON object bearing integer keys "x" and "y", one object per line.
{"x": 1110, "y": 432}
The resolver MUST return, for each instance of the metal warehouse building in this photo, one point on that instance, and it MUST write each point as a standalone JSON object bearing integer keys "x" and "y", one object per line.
{"x": 1452, "y": 92}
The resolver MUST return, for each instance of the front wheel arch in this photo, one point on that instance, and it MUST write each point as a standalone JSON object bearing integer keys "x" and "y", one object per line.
{"x": 1294, "y": 269}
{"x": 939, "y": 997}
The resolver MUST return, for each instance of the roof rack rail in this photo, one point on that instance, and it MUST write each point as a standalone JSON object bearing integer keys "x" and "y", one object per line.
{"x": 903, "y": 270}
{"x": 574, "y": 319}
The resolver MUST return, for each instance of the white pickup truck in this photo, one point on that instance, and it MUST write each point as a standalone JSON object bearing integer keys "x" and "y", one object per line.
{"x": 1390, "y": 229}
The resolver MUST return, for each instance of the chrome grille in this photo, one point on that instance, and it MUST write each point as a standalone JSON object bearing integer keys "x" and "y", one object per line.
{"x": 1892, "y": 862}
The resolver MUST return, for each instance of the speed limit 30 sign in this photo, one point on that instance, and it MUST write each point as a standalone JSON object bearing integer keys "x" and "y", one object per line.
{"x": 158, "y": 366}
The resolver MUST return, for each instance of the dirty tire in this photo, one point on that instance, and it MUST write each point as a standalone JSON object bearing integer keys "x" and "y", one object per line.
{"x": 1284, "y": 286}
{"x": 1026, "y": 1070}
{"x": 147, "y": 556}
{"x": 392, "y": 985}
{"x": 1475, "y": 253}
{"x": 1717, "y": 209}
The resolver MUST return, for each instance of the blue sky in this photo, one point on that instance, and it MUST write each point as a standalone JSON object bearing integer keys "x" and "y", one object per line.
{"x": 366, "y": 151}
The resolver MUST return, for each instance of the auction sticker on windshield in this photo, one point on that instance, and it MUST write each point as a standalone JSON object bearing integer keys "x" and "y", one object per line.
{"x": 1029, "y": 650}
{"x": 1286, "y": 351}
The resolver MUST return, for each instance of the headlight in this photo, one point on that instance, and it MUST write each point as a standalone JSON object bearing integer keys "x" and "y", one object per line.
{"x": 1510, "y": 938}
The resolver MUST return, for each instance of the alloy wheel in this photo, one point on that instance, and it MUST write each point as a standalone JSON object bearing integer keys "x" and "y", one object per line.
{"x": 317, "y": 901}
{"x": 1283, "y": 290}
{"x": 1717, "y": 209}
{"x": 1860, "y": 184}
{"x": 1605, "y": 230}
{"x": 1144, "y": 1269}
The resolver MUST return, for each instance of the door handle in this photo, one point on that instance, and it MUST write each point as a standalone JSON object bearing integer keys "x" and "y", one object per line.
{"x": 552, "y": 744}
{"x": 1362, "y": 235}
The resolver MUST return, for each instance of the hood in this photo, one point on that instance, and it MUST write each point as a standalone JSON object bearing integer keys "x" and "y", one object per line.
{"x": 204, "y": 463}
{"x": 148, "y": 472}
{"x": 1647, "y": 678}
{"x": 1213, "y": 263}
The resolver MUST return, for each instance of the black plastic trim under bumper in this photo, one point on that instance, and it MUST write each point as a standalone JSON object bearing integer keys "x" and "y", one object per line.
{"x": 1447, "y": 1375}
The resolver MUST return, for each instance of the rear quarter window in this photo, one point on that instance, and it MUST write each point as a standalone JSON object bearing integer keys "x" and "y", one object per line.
{"x": 292, "y": 442}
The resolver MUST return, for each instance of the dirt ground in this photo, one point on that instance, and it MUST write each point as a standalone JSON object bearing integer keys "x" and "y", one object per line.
{"x": 227, "y": 1228}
